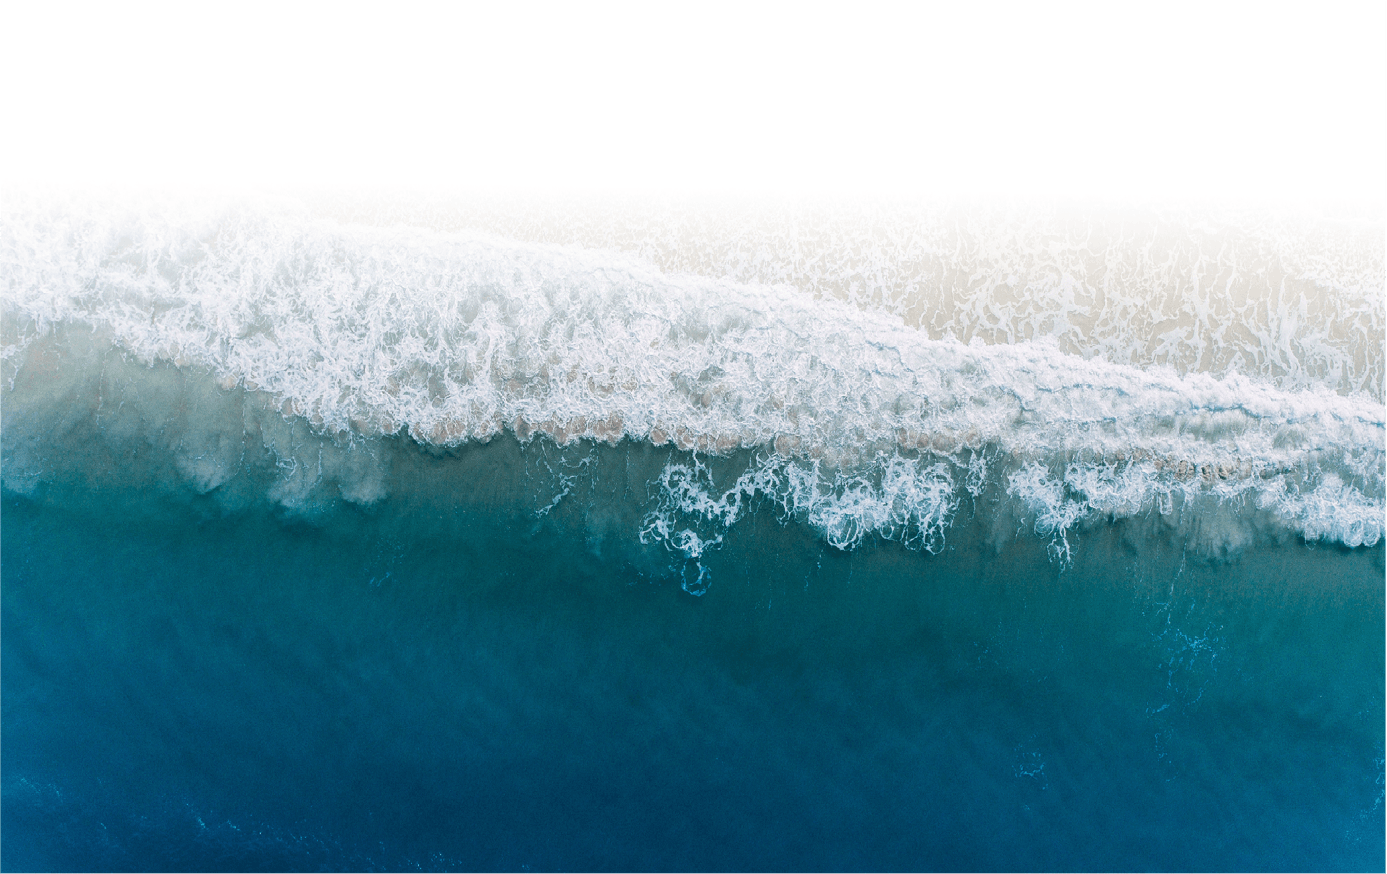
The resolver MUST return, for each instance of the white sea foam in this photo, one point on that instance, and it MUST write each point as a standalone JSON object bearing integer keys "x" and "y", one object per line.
{"x": 1289, "y": 298}
{"x": 858, "y": 421}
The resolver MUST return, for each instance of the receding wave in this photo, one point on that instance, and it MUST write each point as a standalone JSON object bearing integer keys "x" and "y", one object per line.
{"x": 315, "y": 341}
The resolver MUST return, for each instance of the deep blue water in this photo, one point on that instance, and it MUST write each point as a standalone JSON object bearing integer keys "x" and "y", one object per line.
{"x": 448, "y": 680}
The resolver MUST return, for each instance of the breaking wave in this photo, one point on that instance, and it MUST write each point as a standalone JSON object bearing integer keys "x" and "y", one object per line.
{"x": 317, "y": 346}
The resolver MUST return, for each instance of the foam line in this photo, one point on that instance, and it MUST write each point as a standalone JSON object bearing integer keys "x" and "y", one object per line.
{"x": 859, "y": 422}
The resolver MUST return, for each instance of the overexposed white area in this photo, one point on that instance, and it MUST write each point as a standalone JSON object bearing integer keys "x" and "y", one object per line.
{"x": 1210, "y": 101}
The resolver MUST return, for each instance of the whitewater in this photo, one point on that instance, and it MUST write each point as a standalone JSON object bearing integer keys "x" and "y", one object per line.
{"x": 1155, "y": 437}
{"x": 864, "y": 423}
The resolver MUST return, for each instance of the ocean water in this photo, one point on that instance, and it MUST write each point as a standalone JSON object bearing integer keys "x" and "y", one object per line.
{"x": 541, "y": 535}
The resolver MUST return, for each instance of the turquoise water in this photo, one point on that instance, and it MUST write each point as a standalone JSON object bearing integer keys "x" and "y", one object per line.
{"x": 336, "y": 546}
{"x": 453, "y": 682}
